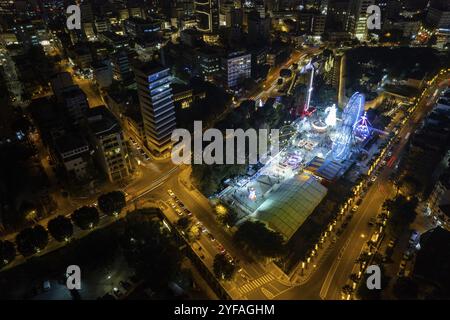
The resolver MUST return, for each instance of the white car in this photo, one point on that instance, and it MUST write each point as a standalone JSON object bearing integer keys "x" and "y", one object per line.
{"x": 373, "y": 179}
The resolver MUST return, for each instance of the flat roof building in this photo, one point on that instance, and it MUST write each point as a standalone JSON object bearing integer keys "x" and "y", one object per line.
{"x": 291, "y": 203}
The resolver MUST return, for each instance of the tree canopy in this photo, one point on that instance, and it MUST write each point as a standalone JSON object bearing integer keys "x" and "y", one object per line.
{"x": 60, "y": 228}
{"x": 31, "y": 240}
{"x": 112, "y": 203}
{"x": 256, "y": 238}
{"x": 7, "y": 253}
{"x": 86, "y": 217}
{"x": 223, "y": 269}
{"x": 149, "y": 248}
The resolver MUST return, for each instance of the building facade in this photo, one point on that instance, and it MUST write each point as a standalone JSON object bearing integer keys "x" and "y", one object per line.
{"x": 157, "y": 108}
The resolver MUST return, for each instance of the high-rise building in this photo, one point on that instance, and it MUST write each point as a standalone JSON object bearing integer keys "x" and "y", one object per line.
{"x": 207, "y": 12}
{"x": 6, "y": 7}
{"x": 109, "y": 145}
{"x": 258, "y": 28}
{"x": 439, "y": 14}
{"x": 121, "y": 66}
{"x": 360, "y": 14}
{"x": 87, "y": 15}
{"x": 339, "y": 16}
{"x": 236, "y": 67}
{"x": 157, "y": 108}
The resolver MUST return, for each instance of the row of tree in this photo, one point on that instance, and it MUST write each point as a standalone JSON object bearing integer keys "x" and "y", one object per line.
{"x": 34, "y": 239}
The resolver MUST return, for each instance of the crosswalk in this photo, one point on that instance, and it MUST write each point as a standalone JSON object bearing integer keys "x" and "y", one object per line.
{"x": 246, "y": 288}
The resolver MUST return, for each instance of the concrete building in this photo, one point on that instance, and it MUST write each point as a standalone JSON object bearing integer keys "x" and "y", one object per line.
{"x": 73, "y": 153}
{"x": 157, "y": 108}
{"x": 438, "y": 15}
{"x": 235, "y": 68}
{"x": 103, "y": 74}
{"x": 59, "y": 82}
{"x": 75, "y": 103}
{"x": 258, "y": 28}
{"x": 361, "y": 30}
{"x": 207, "y": 12}
{"x": 121, "y": 66}
{"x": 109, "y": 145}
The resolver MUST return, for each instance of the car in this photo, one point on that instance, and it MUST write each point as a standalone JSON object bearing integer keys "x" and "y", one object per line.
{"x": 178, "y": 211}
{"x": 383, "y": 163}
{"x": 354, "y": 208}
{"x": 389, "y": 154}
{"x": 147, "y": 158}
{"x": 408, "y": 254}
{"x": 172, "y": 204}
{"x": 221, "y": 248}
{"x": 403, "y": 264}
{"x": 414, "y": 237}
{"x": 189, "y": 213}
{"x": 46, "y": 286}
{"x": 374, "y": 178}
{"x": 391, "y": 244}
{"x": 211, "y": 237}
{"x": 170, "y": 192}
{"x": 372, "y": 221}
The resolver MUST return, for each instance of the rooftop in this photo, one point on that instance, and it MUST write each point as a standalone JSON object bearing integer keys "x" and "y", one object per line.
{"x": 102, "y": 121}
{"x": 291, "y": 203}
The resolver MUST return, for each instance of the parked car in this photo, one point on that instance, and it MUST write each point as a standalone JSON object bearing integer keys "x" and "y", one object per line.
{"x": 414, "y": 237}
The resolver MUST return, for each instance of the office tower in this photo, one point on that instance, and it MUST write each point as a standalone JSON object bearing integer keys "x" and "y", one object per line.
{"x": 361, "y": 16}
{"x": 157, "y": 108}
{"x": 109, "y": 145}
{"x": 339, "y": 16}
{"x": 121, "y": 66}
{"x": 439, "y": 14}
{"x": 207, "y": 12}
{"x": 258, "y": 28}
{"x": 235, "y": 68}
{"x": 87, "y": 15}
{"x": 6, "y": 7}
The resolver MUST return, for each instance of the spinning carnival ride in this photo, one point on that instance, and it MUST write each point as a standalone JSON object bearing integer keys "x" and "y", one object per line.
{"x": 343, "y": 141}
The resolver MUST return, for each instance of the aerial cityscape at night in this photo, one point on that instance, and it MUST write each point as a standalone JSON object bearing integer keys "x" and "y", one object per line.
{"x": 193, "y": 150}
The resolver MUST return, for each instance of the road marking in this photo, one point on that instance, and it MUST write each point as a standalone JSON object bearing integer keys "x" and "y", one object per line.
{"x": 256, "y": 284}
{"x": 267, "y": 293}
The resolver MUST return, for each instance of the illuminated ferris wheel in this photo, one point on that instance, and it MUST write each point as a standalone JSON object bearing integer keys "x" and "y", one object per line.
{"x": 344, "y": 138}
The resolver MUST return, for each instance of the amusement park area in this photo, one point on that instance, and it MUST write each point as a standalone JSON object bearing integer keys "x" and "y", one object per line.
{"x": 317, "y": 149}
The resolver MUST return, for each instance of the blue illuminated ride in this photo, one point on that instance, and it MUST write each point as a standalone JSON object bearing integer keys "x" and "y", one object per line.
{"x": 343, "y": 141}
{"x": 363, "y": 127}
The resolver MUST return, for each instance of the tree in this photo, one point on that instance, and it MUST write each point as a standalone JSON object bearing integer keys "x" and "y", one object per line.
{"x": 149, "y": 249}
{"x": 32, "y": 240}
{"x": 60, "y": 228}
{"x": 7, "y": 253}
{"x": 402, "y": 213}
{"x": 223, "y": 269}
{"x": 86, "y": 217}
{"x": 183, "y": 222}
{"x": 112, "y": 203}
{"x": 255, "y": 237}
{"x": 225, "y": 214}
